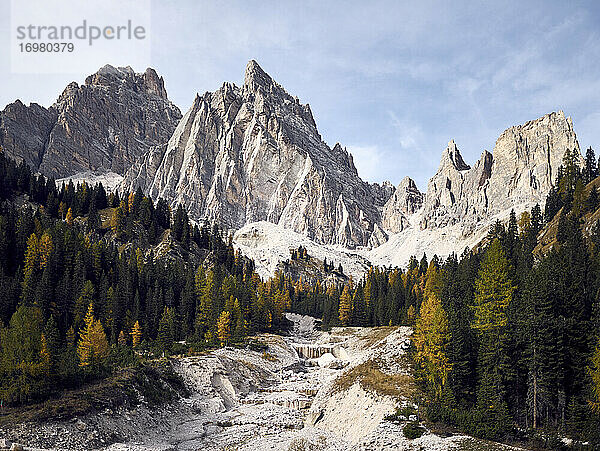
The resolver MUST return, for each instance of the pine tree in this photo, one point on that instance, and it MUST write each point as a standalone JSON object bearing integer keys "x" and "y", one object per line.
{"x": 46, "y": 359}
{"x": 591, "y": 168}
{"x": 85, "y": 299}
{"x": 20, "y": 352}
{"x": 118, "y": 222}
{"x": 241, "y": 326}
{"x": 122, "y": 341}
{"x": 70, "y": 337}
{"x": 166, "y": 328}
{"x": 539, "y": 343}
{"x": 493, "y": 294}
{"x": 204, "y": 287}
{"x": 52, "y": 335}
{"x": 570, "y": 173}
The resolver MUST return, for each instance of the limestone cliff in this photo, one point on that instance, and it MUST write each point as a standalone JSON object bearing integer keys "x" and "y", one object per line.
{"x": 106, "y": 123}
{"x": 242, "y": 155}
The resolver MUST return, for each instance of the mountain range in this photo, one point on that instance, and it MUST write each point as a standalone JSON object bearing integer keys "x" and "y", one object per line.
{"x": 251, "y": 159}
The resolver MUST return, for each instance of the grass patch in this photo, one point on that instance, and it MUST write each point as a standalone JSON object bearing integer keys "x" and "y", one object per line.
{"x": 377, "y": 334}
{"x": 269, "y": 357}
{"x": 371, "y": 378}
{"x": 155, "y": 382}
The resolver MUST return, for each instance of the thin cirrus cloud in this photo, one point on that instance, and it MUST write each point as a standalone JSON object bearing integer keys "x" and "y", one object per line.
{"x": 393, "y": 81}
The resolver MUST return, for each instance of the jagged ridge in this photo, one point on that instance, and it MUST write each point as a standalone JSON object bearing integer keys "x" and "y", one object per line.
{"x": 104, "y": 124}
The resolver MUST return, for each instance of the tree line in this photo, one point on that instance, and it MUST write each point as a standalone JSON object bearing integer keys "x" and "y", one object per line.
{"x": 84, "y": 291}
{"x": 506, "y": 339}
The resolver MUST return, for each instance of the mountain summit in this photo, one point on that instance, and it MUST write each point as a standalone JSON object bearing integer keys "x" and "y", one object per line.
{"x": 249, "y": 154}
{"x": 108, "y": 122}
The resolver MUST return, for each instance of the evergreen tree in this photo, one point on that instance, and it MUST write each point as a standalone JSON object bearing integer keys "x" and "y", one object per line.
{"x": 493, "y": 294}
{"x": 590, "y": 171}
{"x": 21, "y": 344}
{"x": 166, "y": 330}
{"x": 118, "y": 222}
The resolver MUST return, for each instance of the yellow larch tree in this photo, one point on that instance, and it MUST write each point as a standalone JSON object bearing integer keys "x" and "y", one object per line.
{"x": 345, "y": 309}
{"x": 224, "y": 327}
{"x": 92, "y": 346}
{"x": 46, "y": 246}
{"x": 431, "y": 339}
{"x": 136, "y": 334}
{"x": 69, "y": 217}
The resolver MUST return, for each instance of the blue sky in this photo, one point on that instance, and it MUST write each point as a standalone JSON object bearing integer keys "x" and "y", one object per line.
{"x": 392, "y": 81}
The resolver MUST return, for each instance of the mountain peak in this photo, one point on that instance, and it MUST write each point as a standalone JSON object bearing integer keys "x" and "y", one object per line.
{"x": 154, "y": 83}
{"x": 255, "y": 76}
{"x": 451, "y": 155}
{"x": 407, "y": 183}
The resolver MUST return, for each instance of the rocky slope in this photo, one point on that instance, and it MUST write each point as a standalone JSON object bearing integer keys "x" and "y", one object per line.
{"x": 311, "y": 390}
{"x": 105, "y": 124}
{"x": 406, "y": 200}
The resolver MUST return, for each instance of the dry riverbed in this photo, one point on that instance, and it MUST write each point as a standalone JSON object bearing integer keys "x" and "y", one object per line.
{"x": 309, "y": 391}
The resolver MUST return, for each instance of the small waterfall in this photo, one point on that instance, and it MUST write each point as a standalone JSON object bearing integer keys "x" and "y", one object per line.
{"x": 310, "y": 351}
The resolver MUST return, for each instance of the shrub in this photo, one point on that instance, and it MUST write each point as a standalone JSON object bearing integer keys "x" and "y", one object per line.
{"x": 413, "y": 430}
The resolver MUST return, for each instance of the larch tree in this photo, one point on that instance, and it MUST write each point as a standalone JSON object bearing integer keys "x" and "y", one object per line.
{"x": 136, "y": 334}
{"x": 224, "y": 327}
{"x": 46, "y": 246}
{"x": 93, "y": 345}
{"x": 69, "y": 217}
{"x": 345, "y": 309}
{"x": 431, "y": 339}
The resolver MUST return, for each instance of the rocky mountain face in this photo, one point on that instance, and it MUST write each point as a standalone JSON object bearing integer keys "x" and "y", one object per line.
{"x": 519, "y": 173}
{"x": 242, "y": 155}
{"x": 251, "y": 155}
{"x": 107, "y": 123}
{"x": 405, "y": 201}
